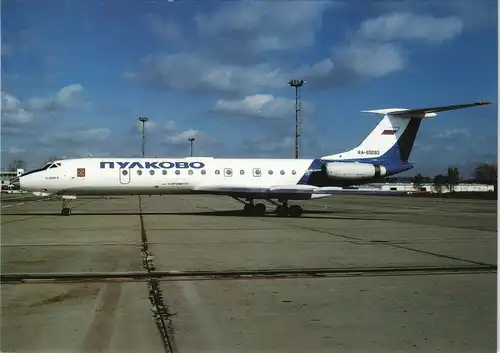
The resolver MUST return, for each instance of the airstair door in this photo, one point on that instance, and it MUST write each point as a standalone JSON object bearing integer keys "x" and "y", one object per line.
{"x": 124, "y": 175}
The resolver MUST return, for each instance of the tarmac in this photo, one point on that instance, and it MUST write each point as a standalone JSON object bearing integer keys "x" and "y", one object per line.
{"x": 191, "y": 274}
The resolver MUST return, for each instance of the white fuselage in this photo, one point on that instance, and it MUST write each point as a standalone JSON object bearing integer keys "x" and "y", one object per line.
{"x": 94, "y": 176}
{"x": 385, "y": 151}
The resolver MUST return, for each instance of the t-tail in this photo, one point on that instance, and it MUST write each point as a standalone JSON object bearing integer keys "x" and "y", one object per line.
{"x": 390, "y": 143}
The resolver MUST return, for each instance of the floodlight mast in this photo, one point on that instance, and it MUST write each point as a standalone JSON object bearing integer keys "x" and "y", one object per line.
{"x": 297, "y": 84}
{"x": 143, "y": 120}
{"x": 191, "y": 140}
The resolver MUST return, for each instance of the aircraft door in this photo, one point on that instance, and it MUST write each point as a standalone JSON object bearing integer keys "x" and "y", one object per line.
{"x": 124, "y": 175}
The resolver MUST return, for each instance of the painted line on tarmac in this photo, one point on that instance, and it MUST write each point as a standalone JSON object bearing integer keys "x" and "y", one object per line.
{"x": 22, "y": 203}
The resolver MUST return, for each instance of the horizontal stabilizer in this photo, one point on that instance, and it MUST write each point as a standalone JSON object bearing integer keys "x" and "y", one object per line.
{"x": 422, "y": 112}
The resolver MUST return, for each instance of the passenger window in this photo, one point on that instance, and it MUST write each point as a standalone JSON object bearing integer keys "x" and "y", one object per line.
{"x": 164, "y": 172}
{"x": 256, "y": 172}
{"x": 270, "y": 172}
{"x": 217, "y": 172}
{"x": 242, "y": 172}
{"x": 124, "y": 172}
{"x": 203, "y": 172}
{"x": 190, "y": 172}
{"x": 282, "y": 172}
{"x": 152, "y": 172}
{"x": 139, "y": 172}
{"x": 294, "y": 172}
{"x": 228, "y": 172}
{"x": 177, "y": 172}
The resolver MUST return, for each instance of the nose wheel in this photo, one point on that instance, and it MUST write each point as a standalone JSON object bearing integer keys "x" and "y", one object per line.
{"x": 65, "y": 211}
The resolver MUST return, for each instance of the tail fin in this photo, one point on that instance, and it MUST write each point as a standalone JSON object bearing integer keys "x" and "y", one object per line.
{"x": 393, "y": 138}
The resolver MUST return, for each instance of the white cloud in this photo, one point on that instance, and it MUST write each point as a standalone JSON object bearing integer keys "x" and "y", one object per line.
{"x": 66, "y": 98}
{"x": 15, "y": 150}
{"x": 261, "y": 105}
{"x": 268, "y": 145}
{"x": 170, "y": 126}
{"x": 236, "y": 33}
{"x": 453, "y": 133}
{"x": 249, "y": 28}
{"x": 148, "y": 125}
{"x": 13, "y": 112}
{"x": 16, "y": 113}
{"x": 176, "y": 139}
{"x": 424, "y": 147}
{"x": 181, "y": 138}
{"x": 193, "y": 73}
{"x": 370, "y": 59}
{"x": 166, "y": 30}
{"x": 474, "y": 14}
{"x": 83, "y": 136}
{"x": 411, "y": 26}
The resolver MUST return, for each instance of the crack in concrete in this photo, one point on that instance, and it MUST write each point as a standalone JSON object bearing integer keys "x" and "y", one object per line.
{"x": 161, "y": 314}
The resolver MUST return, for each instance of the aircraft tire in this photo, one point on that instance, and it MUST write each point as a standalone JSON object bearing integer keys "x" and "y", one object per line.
{"x": 249, "y": 209}
{"x": 295, "y": 211}
{"x": 259, "y": 209}
{"x": 282, "y": 211}
{"x": 65, "y": 211}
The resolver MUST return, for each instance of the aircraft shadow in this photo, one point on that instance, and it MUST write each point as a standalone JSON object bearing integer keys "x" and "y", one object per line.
{"x": 313, "y": 214}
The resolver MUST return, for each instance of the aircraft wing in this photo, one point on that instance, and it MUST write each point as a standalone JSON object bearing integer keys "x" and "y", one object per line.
{"x": 282, "y": 190}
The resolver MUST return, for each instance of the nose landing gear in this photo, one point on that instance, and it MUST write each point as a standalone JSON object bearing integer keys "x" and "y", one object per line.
{"x": 65, "y": 211}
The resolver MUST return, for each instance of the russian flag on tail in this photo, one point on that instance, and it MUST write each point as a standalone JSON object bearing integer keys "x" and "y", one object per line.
{"x": 389, "y": 131}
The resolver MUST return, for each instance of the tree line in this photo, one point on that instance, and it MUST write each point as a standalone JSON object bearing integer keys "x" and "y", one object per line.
{"x": 484, "y": 173}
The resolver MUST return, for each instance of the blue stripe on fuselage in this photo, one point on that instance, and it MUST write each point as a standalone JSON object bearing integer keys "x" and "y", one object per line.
{"x": 315, "y": 166}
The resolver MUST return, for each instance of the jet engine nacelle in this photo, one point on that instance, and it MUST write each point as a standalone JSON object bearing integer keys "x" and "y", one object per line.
{"x": 350, "y": 170}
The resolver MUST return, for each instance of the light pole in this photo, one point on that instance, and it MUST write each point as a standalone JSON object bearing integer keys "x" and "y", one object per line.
{"x": 191, "y": 140}
{"x": 297, "y": 84}
{"x": 143, "y": 120}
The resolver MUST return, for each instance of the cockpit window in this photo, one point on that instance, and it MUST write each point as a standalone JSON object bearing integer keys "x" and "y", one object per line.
{"x": 49, "y": 165}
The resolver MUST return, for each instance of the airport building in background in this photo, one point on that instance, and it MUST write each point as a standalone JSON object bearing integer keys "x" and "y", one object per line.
{"x": 427, "y": 187}
{"x": 6, "y": 175}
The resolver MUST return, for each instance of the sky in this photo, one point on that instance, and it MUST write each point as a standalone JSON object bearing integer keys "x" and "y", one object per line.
{"x": 76, "y": 75}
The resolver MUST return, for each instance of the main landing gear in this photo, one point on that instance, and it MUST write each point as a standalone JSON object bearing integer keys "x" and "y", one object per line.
{"x": 282, "y": 210}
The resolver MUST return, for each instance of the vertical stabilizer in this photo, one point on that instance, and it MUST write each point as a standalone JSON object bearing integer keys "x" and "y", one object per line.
{"x": 393, "y": 138}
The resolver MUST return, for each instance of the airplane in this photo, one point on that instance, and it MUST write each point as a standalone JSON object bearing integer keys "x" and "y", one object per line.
{"x": 384, "y": 152}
